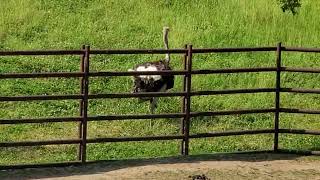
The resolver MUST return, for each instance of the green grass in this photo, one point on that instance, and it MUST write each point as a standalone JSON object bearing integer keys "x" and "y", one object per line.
{"x": 65, "y": 24}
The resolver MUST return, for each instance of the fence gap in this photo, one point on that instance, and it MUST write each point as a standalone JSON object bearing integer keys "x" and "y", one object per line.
{"x": 85, "y": 104}
{"x": 183, "y": 99}
{"x": 277, "y": 99}
{"x": 81, "y": 102}
{"x": 188, "y": 101}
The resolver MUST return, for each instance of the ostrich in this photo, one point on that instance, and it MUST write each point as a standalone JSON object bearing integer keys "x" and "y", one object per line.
{"x": 154, "y": 83}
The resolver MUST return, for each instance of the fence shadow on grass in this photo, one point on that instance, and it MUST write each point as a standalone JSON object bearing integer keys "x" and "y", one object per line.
{"x": 99, "y": 167}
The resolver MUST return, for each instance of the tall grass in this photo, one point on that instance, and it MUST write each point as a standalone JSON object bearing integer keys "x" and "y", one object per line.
{"x": 65, "y": 24}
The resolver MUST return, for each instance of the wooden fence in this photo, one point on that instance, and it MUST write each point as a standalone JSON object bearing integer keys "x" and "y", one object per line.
{"x": 186, "y": 95}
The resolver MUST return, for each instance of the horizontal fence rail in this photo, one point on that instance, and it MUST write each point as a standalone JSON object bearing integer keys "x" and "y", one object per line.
{"x": 300, "y": 49}
{"x": 185, "y": 116}
{"x": 127, "y": 139}
{"x": 41, "y": 75}
{"x": 299, "y": 131}
{"x": 151, "y": 138}
{"x": 156, "y": 51}
{"x": 231, "y": 112}
{"x": 232, "y": 91}
{"x": 139, "y": 51}
{"x": 300, "y": 111}
{"x": 40, "y": 143}
{"x": 135, "y": 95}
{"x": 136, "y": 116}
{"x": 236, "y": 49}
{"x": 295, "y": 69}
{"x": 233, "y": 70}
{"x": 300, "y": 90}
{"x": 232, "y": 133}
{"x": 39, "y": 120}
{"x": 97, "y": 74}
{"x": 41, "y": 52}
{"x": 40, "y": 97}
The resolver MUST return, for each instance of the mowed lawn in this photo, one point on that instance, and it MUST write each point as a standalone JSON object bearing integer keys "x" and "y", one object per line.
{"x": 122, "y": 24}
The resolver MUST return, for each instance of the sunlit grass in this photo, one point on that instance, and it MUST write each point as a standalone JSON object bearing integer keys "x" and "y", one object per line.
{"x": 51, "y": 24}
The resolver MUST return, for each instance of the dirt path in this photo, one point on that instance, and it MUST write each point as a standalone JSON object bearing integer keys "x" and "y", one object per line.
{"x": 258, "y": 166}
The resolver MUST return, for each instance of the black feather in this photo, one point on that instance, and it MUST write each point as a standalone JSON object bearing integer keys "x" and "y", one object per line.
{"x": 150, "y": 85}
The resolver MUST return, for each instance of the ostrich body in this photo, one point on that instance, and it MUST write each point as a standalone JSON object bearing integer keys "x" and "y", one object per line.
{"x": 154, "y": 83}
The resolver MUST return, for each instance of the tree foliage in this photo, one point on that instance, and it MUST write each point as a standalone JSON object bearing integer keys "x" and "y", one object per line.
{"x": 290, "y": 5}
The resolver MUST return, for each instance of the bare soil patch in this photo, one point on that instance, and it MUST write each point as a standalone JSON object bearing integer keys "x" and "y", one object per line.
{"x": 217, "y": 166}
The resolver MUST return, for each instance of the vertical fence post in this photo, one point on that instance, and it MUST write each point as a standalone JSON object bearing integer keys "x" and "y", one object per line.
{"x": 183, "y": 100}
{"x": 85, "y": 105}
{"x": 81, "y": 102}
{"x": 188, "y": 102}
{"x": 277, "y": 99}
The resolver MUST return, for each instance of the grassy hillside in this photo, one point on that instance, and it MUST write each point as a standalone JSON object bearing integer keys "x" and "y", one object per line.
{"x": 66, "y": 24}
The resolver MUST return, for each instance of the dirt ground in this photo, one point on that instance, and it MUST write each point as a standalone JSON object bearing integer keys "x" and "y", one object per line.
{"x": 217, "y": 166}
